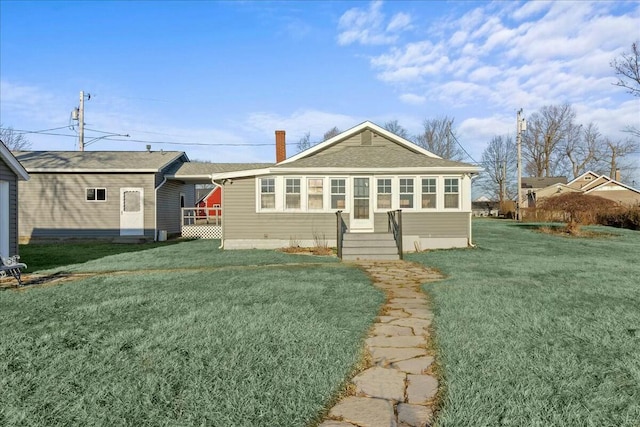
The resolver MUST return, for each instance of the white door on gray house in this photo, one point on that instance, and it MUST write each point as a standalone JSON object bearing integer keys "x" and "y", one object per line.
{"x": 131, "y": 211}
{"x": 361, "y": 219}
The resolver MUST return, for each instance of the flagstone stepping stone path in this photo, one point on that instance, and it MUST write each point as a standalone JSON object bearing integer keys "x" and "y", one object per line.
{"x": 398, "y": 391}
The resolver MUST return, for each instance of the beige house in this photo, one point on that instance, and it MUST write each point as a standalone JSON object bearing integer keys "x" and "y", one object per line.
{"x": 588, "y": 183}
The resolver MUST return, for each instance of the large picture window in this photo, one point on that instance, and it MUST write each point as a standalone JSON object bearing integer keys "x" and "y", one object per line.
{"x": 314, "y": 193}
{"x": 406, "y": 193}
{"x": 96, "y": 194}
{"x": 451, "y": 193}
{"x": 267, "y": 193}
{"x": 292, "y": 193}
{"x": 384, "y": 193}
{"x": 338, "y": 193}
{"x": 428, "y": 193}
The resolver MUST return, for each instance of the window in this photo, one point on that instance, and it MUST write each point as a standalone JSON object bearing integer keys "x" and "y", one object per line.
{"x": 428, "y": 193}
{"x": 292, "y": 193}
{"x": 338, "y": 194}
{"x": 96, "y": 194}
{"x": 384, "y": 193}
{"x": 314, "y": 193}
{"x": 267, "y": 193}
{"x": 406, "y": 193}
{"x": 451, "y": 193}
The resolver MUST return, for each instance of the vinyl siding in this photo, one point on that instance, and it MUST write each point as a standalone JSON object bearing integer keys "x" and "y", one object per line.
{"x": 54, "y": 205}
{"x": 6, "y": 174}
{"x": 169, "y": 214}
{"x": 357, "y": 141}
{"x": 240, "y": 220}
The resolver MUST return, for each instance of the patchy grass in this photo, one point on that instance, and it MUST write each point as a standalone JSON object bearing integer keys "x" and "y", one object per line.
{"x": 233, "y": 347}
{"x": 538, "y": 330}
{"x": 43, "y": 256}
{"x": 193, "y": 254}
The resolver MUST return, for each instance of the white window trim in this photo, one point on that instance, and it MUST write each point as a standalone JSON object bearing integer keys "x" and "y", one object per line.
{"x": 394, "y": 202}
{"x": 106, "y": 195}
{"x": 436, "y": 207}
{"x": 415, "y": 206}
{"x": 280, "y": 193}
{"x": 259, "y": 207}
{"x": 459, "y": 207}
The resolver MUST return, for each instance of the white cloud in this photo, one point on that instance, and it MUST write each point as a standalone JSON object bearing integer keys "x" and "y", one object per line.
{"x": 366, "y": 26}
{"x": 400, "y": 21}
{"x": 413, "y": 99}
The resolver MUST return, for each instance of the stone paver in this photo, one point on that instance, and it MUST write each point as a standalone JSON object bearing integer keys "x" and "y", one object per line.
{"x": 421, "y": 388}
{"x": 381, "y": 382}
{"x": 365, "y": 412}
{"x": 396, "y": 391}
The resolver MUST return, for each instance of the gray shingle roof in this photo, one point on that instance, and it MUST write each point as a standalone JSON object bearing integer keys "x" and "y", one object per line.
{"x": 371, "y": 157}
{"x": 542, "y": 182}
{"x": 97, "y": 161}
{"x": 192, "y": 169}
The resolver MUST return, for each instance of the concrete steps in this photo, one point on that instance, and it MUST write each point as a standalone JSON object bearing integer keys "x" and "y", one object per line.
{"x": 370, "y": 246}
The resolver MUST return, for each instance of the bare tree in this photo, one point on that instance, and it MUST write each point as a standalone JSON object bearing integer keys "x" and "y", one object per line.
{"x": 13, "y": 140}
{"x": 582, "y": 148}
{"x": 615, "y": 156}
{"x": 305, "y": 142}
{"x": 627, "y": 69}
{"x": 499, "y": 163}
{"x": 439, "y": 138}
{"x": 330, "y": 133}
{"x": 396, "y": 128}
{"x": 546, "y": 130}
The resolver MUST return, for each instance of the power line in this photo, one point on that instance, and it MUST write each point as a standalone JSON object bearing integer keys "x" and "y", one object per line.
{"x": 36, "y": 131}
{"x": 460, "y": 145}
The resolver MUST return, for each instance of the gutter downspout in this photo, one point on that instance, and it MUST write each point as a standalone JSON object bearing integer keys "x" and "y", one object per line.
{"x": 155, "y": 210}
{"x": 471, "y": 178}
{"x": 221, "y": 210}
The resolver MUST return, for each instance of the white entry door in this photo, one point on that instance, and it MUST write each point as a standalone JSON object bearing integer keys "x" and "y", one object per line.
{"x": 361, "y": 218}
{"x": 131, "y": 211}
{"x": 4, "y": 218}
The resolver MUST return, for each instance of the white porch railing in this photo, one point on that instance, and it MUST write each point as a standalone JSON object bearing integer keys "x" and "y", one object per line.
{"x": 202, "y": 223}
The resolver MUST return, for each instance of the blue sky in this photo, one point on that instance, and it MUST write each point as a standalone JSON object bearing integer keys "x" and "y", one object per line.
{"x": 226, "y": 75}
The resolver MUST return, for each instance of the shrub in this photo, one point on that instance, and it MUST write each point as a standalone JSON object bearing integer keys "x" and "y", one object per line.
{"x": 621, "y": 218}
{"x": 575, "y": 209}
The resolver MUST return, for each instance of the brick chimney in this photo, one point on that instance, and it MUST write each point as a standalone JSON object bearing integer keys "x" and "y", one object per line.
{"x": 281, "y": 148}
{"x": 617, "y": 177}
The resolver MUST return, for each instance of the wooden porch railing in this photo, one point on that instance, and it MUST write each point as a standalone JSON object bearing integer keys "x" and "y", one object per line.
{"x": 395, "y": 227}
{"x": 341, "y": 227}
{"x": 201, "y": 216}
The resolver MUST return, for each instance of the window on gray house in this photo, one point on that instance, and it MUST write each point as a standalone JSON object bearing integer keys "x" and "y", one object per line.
{"x": 292, "y": 193}
{"x": 268, "y": 193}
{"x": 406, "y": 193}
{"x": 451, "y": 192}
{"x": 428, "y": 193}
{"x": 338, "y": 186}
{"x": 384, "y": 193}
{"x": 314, "y": 193}
{"x": 96, "y": 194}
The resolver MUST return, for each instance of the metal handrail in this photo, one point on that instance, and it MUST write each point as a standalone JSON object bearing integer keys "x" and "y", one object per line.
{"x": 341, "y": 227}
{"x": 395, "y": 227}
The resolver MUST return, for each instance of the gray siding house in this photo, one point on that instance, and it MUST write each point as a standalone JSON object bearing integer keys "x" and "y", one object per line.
{"x": 101, "y": 194}
{"x": 11, "y": 171}
{"x": 364, "y": 172}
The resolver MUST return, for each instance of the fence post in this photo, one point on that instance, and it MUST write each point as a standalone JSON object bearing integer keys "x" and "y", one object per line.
{"x": 339, "y": 233}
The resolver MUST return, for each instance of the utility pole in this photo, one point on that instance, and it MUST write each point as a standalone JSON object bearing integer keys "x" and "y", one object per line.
{"x": 521, "y": 126}
{"x": 79, "y": 115}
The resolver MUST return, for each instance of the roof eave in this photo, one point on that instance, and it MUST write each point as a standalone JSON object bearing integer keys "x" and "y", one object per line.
{"x": 13, "y": 163}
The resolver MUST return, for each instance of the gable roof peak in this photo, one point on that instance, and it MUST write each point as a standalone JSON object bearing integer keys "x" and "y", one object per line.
{"x": 366, "y": 125}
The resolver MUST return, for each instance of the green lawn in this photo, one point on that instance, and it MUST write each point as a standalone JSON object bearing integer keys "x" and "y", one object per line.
{"x": 538, "y": 330}
{"x": 259, "y": 346}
